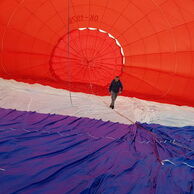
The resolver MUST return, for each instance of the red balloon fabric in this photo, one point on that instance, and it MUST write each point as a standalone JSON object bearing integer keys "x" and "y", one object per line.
{"x": 87, "y": 55}
{"x": 80, "y": 45}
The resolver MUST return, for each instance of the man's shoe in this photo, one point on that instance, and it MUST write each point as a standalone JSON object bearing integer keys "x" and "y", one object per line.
{"x": 111, "y": 106}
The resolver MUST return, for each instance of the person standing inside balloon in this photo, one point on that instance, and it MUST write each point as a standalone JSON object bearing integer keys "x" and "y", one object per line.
{"x": 115, "y": 87}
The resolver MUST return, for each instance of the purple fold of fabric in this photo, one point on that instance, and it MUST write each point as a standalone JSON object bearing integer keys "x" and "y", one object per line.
{"x": 48, "y": 153}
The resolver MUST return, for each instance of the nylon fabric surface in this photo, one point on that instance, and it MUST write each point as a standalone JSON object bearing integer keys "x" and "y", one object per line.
{"x": 44, "y": 153}
{"x": 80, "y": 45}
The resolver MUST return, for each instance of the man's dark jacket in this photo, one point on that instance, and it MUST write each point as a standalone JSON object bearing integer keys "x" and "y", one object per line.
{"x": 115, "y": 86}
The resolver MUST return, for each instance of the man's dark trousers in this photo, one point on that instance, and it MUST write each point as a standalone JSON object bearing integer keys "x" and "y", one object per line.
{"x": 113, "y": 97}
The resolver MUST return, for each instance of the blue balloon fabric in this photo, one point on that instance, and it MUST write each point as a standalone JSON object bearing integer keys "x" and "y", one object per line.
{"x": 48, "y": 153}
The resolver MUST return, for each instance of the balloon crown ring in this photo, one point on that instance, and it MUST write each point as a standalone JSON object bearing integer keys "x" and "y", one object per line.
{"x": 87, "y": 55}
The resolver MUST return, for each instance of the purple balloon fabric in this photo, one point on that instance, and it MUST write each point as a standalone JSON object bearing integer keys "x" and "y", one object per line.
{"x": 48, "y": 153}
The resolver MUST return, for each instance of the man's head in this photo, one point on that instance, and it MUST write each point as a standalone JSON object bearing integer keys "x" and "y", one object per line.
{"x": 117, "y": 78}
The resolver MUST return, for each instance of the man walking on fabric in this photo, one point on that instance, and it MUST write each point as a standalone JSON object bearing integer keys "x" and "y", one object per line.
{"x": 115, "y": 88}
